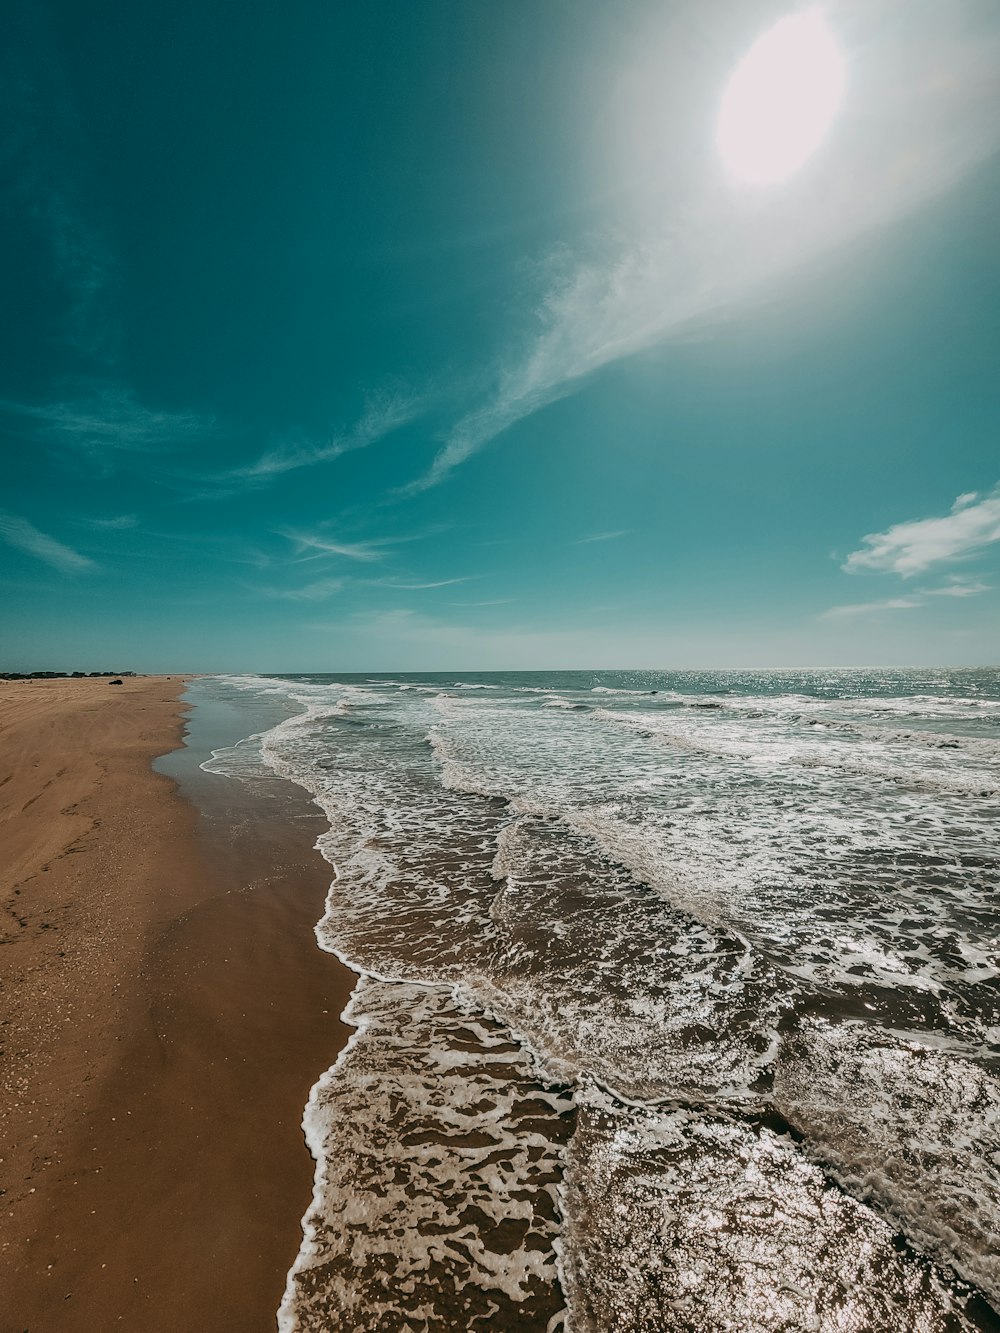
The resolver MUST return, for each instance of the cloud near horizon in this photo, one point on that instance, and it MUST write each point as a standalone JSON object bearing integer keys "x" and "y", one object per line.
{"x": 958, "y": 587}
{"x": 24, "y": 536}
{"x": 870, "y": 608}
{"x": 917, "y": 545}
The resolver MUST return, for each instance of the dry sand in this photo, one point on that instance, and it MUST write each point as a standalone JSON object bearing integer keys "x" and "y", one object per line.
{"x": 165, "y": 1011}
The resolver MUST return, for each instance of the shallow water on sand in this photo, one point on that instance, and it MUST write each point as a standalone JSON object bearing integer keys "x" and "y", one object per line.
{"x": 680, "y": 998}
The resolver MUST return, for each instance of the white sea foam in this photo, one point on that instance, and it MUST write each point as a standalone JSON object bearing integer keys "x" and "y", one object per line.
{"x": 708, "y": 1223}
{"x": 438, "y": 1149}
{"x": 242, "y": 760}
{"x": 871, "y": 1106}
{"x": 658, "y": 900}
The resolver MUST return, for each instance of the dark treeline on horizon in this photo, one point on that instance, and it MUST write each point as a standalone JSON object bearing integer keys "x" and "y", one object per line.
{"x": 59, "y": 675}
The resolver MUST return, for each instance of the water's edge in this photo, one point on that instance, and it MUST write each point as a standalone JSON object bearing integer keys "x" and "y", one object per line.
{"x": 765, "y": 1119}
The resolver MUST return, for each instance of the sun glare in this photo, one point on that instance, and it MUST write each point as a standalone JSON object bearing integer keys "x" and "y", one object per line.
{"x": 781, "y": 99}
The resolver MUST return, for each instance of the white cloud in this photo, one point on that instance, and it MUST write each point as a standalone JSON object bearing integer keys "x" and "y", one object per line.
{"x": 107, "y": 420}
{"x": 601, "y": 537}
{"x": 871, "y": 608}
{"x": 438, "y": 583}
{"x": 907, "y": 135}
{"x": 317, "y": 545}
{"x": 493, "y": 601}
{"x": 958, "y": 587}
{"x": 317, "y": 591}
{"x": 382, "y": 416}
{"x": 320, "y": 545}
{"x": 406, "y": 640}
{"x": 117, "y": 524}
{"x": 24, "y": 536}
{"x": 917, "y": 545}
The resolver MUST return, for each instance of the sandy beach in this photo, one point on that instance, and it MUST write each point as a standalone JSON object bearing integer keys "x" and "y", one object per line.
{"x": 165, "y": 1013}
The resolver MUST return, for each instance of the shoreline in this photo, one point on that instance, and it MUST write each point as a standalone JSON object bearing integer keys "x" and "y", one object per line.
{"x": 159, "y": 1172}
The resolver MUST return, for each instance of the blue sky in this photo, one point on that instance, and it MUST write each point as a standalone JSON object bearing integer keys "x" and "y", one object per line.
{"x": 390, "y": 336}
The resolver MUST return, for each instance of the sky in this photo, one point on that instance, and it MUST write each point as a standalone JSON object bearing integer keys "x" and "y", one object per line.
{"x": 450, "y": 335}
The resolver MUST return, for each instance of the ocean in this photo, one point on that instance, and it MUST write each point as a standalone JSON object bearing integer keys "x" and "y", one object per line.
{"x": 678, "y": 1004}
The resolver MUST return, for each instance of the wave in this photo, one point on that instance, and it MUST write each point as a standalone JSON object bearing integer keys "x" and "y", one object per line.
{"x": 892, "y": 755}
{"x": 501, "y": 881}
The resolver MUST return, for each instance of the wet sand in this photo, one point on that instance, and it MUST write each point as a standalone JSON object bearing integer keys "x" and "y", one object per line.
{"x": 165, "y": 1013}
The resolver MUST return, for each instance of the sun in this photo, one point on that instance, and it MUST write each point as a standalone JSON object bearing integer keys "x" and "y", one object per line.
{"x": 781, "y": 99}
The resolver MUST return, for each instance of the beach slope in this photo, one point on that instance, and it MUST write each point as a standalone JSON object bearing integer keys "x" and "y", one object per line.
{"x": 165, "y": 1013}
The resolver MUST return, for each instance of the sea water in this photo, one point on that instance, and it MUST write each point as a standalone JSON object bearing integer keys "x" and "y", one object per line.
{"x": 679, "y": 1003}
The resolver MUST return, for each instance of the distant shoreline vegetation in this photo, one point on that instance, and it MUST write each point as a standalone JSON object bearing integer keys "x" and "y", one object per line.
{"x": 60, "y": 675}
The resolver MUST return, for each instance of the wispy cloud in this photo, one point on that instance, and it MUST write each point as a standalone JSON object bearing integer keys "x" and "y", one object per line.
{"x": 958, "y": 587}
{"x": 107, "y": 420}
{"x": 493, "y": 601}
{"x": 24, "y": 536}
{"x": 51, "y": 153}
{"x": 911, "y": 135}
{"x": 437, "y": 583}
{"x": 382, "y": 416}
{"x": 316, "y": 591}
{"x": 601, "y": 537}
{"x": 915, "y": 546}
{"x": 319, "y": 544}
{"x": 872, "y": 608}
{"x": 119, "y": 523}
